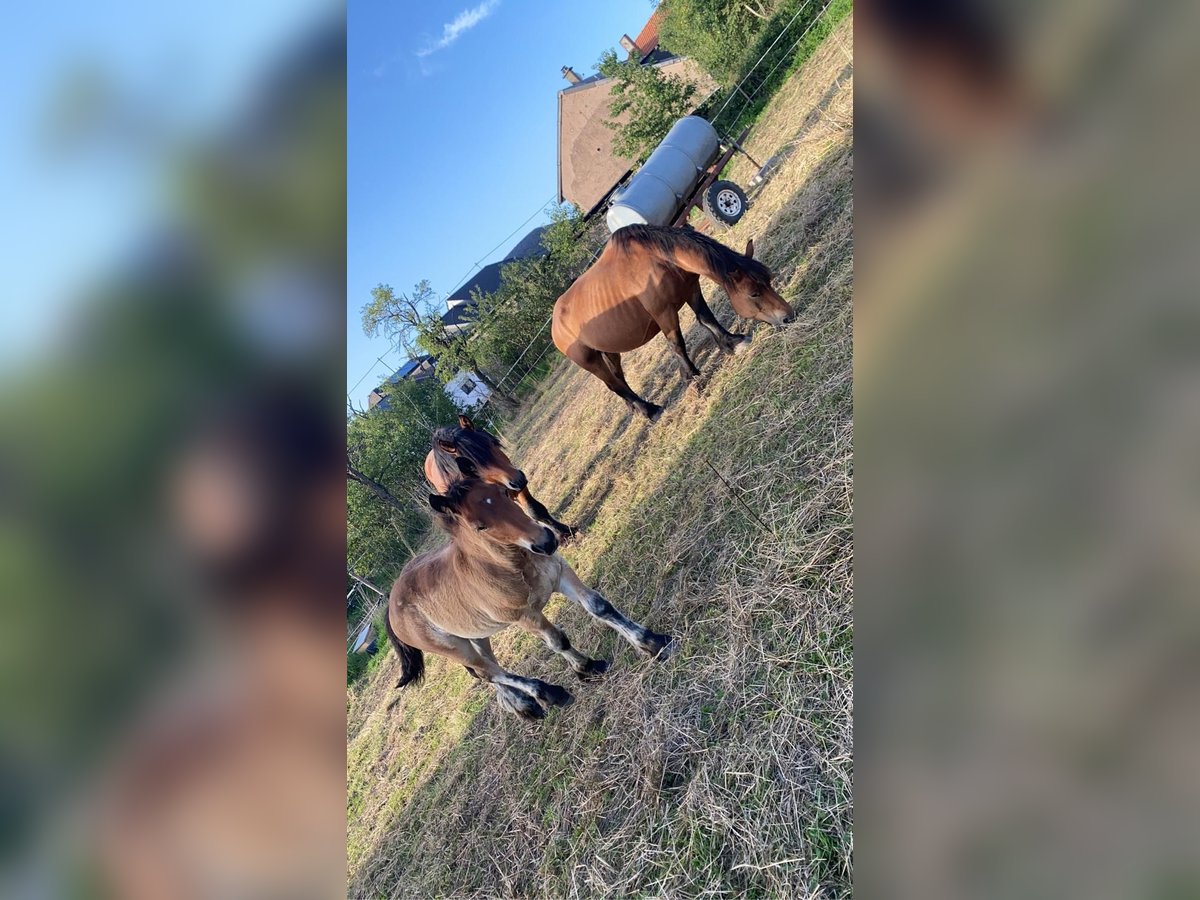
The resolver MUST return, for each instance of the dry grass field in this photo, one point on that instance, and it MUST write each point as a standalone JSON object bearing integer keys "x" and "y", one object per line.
{"x": 725, "y": 770}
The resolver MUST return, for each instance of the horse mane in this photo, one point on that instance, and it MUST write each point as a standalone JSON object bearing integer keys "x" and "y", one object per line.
{"x": 458, "y": 491}
{"x": 473, "y": 444}
{"x": 493, "y": 568}
{"x": 722, "y": 261}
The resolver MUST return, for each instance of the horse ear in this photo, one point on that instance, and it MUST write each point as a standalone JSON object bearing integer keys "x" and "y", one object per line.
{"x": 441, "y": 505}
{"x": 466, "y": 467}
{"x": 464, "y": 421}
{"x": 749, "y": 249}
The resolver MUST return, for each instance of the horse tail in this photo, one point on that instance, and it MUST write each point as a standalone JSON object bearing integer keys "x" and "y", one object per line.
{"x": 412, "y": 660}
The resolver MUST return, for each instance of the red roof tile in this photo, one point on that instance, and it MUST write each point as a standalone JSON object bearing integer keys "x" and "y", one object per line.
{"x": 647, "y": 39}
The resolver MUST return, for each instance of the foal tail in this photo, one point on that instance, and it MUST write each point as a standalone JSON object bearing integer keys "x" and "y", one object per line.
{"x": 412, "y": 660}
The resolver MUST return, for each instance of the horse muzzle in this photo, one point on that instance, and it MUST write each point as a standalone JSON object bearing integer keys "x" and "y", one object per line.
{"x": 548, "y": 544}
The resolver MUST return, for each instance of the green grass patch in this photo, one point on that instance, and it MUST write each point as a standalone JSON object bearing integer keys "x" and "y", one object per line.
{"x": 724, "y": 770}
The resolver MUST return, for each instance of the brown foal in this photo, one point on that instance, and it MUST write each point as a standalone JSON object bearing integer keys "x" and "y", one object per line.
{"x": 499, "y": 569}
{"x": 451, "y": 446}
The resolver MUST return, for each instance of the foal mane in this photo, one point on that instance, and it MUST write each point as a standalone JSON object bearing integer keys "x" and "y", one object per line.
{"x": 472, "y": 444}
{"x": 722, "y": 261}
{"x": 496, "y": 570}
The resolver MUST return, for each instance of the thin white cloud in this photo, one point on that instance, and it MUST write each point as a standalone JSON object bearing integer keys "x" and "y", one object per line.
{"x": 463, "y": 22}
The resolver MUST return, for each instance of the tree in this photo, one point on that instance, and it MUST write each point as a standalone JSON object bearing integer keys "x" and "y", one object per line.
{"x": 718, "y": 34}
{"x": 415, "y": 323}
{"x": 356, "y": 475}
{"x": 568, "y": 240}
{"x": 386, "y": 490}
{"x": 508, "y": 327}
{"x": 512, "y": 330}
{"x": 646, "y": 103}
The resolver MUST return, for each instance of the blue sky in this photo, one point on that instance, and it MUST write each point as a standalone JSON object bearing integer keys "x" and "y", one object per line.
{"x": 452, "y": 130}
{"x": 182, "y": 68}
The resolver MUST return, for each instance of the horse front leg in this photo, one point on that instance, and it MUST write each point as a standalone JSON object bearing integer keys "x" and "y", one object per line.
{"x": 538, "y": 512}
{"x": 641, "y": 637}
{"x": 607, "y": 367}
{"x": 727, "y": 341}
{"x": 668, "y": 323}
{"x": 535, "y": 622}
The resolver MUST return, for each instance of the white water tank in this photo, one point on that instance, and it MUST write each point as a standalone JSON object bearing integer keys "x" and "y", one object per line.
{"x": 654, "y": 195}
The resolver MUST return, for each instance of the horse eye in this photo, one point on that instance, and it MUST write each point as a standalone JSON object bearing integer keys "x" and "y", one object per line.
{"x": 481, "y": 527}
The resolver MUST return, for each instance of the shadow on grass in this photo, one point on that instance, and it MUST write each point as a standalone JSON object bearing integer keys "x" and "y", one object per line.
{"x": 516, "y": 809}
{"x": 488, "y": 820}
{"x": 781, "y": 156}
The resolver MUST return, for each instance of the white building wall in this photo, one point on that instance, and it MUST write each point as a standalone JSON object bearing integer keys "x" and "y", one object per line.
{"x": 466, "y": 390}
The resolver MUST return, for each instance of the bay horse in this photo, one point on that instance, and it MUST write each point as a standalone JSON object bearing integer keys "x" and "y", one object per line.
{"x": 499, "y": 569}
{"x": 636, "y": 288}
{"x": 489, "y": 462}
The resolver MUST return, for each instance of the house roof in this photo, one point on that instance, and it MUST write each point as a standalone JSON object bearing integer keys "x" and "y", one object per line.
{"x": 408, "y": 368}
{"x": 460, "y": 304}
{"x": 647, "y": 39}
{"x": 486, "y": 280}
{"x": 418, "y": 368}
{"x": 587, "y": 166}
{"x": 529, "y": 246}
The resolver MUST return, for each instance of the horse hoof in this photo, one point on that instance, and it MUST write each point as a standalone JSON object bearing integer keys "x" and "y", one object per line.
{"x": 594, "y": 669}
{"x": 742, "y": 345}
{"x": 531, "y": 713}
{"x": 661, "y": 646}
{"x": 519, "y": 703}
{"x": 653, "y": 412}
{"x": 555, "y": 695}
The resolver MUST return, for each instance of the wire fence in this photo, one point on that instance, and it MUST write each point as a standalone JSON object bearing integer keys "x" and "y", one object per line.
{"x": 737, "y": 88}
{"x": 759, "y": 82}
{"x": 524, "y": 370}
{"x": 539, "y": 345}
{"x": 510, "y": 385}
{"x": 369, "y": 599}
{"x": 785, "y": 57}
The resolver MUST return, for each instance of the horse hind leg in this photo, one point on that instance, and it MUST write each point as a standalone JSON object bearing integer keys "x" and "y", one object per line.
{"x": 515, "y": 693}
{"x": 598, "y": 364}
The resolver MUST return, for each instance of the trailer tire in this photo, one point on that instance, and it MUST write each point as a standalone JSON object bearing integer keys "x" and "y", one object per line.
{"x": 725, "y": 203}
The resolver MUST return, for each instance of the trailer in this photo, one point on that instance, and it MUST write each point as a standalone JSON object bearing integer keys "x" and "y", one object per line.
{"x": 681, "y": 175}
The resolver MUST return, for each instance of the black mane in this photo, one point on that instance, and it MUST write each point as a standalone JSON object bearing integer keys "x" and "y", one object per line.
{"x": 721, "y": 260}
{"x": 473, "y": 445}
{"x": 456, "y": 493}
{"x": 459, "y": 490}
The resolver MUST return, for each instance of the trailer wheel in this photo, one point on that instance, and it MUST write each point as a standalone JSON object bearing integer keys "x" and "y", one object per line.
{"x": 725, "y": 202}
